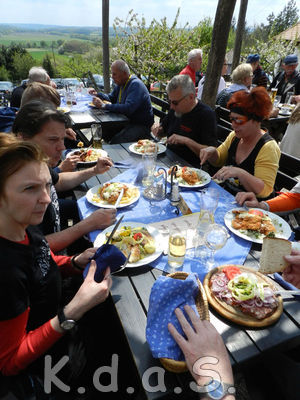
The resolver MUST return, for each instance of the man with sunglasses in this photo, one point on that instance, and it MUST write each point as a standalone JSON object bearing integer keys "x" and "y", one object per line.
{"x": 287, "y": 80}
{"x": 190, "y": 125}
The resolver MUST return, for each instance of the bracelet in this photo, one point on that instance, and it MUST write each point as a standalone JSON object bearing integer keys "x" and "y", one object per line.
{"x": 74, "y": 265}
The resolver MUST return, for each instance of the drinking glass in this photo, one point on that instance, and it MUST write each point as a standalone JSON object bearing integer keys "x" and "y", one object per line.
{"x": 209, "y": 199}
{"x": 273, "y": 94}
{"x": 288, "y": 98}
{"x": 215, "y": 238}
{"x": 96, "y": 130}
{"x": 149, "y": 163}
{"x": 177, "y": 248}
{"x": 277, "y": 101}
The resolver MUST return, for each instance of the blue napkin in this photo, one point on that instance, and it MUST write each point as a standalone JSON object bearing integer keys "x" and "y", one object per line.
{"x": 128, "y": 163}
{"x": 288, "y": 286}
{"x": 107, "y": 255}
{"x": 166, "y": 295}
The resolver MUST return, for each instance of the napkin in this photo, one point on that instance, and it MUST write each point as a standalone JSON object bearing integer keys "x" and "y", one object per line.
{"x": 288, "y": 286}
{"x": 107, "y": 255}
{"x": 166, "y": 295}
{"x": 128, "y": 163}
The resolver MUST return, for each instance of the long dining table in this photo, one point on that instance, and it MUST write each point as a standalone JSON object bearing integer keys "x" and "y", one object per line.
{"x": 131, "y": 288}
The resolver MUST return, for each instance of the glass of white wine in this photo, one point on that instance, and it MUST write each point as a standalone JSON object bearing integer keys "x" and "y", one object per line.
{"x": 177, "y": 248}
{"x": 215, "y": 239}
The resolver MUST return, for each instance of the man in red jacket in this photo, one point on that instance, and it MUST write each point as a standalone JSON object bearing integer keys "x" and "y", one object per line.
{"x": 194, "y": 64}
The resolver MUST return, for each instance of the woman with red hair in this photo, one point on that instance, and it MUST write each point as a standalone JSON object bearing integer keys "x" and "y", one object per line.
{"x": 249, "y": 157}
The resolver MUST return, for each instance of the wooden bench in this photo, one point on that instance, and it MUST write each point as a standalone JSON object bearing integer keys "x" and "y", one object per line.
{"x": 224, "y": 126}
{"x": 164, "y": 107}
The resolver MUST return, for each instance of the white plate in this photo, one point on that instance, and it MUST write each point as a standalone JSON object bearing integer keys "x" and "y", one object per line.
{"x": 161, "y": 149}
{"x": 102, "y": 153}
{"x": 286, "y": 114}
{"x": 283, "y": 229}
{"x": 94, "y": 190}
{"x": 296, "y": 246}
{"x": 100, "y": 239}
{"x": 204, "y": 175}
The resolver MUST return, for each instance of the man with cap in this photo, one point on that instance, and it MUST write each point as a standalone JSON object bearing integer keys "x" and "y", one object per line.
{"x": 289, "y": 79}
{"x": 259, "y": 76}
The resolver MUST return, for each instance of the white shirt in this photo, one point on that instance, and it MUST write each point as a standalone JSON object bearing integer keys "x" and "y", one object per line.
{"x": 290, "y": 143}
{"x": 222, "y": 85}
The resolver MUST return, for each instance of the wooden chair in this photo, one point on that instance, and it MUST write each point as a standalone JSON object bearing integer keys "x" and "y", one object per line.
{"x": 289, "y": 165}
{"x": 224, "y": 126}
{"x": 164, "y": 106}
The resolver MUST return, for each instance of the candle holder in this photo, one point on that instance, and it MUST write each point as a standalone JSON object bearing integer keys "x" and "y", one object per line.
{"x": 158, "y": 190}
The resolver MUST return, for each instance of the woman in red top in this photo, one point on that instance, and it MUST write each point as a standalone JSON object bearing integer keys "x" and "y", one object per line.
{"x": 30, "y": 281}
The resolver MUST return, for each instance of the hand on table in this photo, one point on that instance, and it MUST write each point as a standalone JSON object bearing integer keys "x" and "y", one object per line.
{"x": 157, "y": 129}
{"x": 249, "y": 199}
{"x": 177, "y": 139}
{"x": 92, "y": 91}
{"x": 103, "y": 165}
{"x": 203, "y": 341}
{"x": 102, "y": 218}
{"x": 70, "y": 134}
{"x": 226, "y": 173}
{"x": 98, "y": 102}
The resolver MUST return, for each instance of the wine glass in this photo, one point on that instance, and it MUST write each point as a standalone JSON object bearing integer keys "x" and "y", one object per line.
{"x": 215, "y": 239}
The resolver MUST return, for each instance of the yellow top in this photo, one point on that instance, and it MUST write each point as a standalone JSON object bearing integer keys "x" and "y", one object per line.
{"x": 266, "y": 162}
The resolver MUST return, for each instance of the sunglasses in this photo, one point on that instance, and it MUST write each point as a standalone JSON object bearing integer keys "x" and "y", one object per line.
{"x": 176, "y": 102}
{"x": 239, "y": 120}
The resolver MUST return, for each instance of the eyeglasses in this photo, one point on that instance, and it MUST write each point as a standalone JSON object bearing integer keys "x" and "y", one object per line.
{"x": 239, "y": 120}
{"x": 176, "y": 102}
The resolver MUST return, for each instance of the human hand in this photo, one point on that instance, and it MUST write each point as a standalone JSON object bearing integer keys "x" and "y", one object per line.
{"x": 101, "y": 219}
{"x": 103, "y": 165}
{"x": 226, "y": 173}
{"x": 177, "y": 139}
{"x": 89, "y": 294}
{"x": 274, "y": 112}
{"x": 83, "y": 259}
{"x": 97, "y": 102}
{"x": 247, "y": 198}
{"x": 92, "y": 91}
{"x": 69, "y": 164}
{"x": 203, "y": 341}
{"x": 206, "y": 154}
{"x": 156, "y": 129}
{"x": 70, "y": 134}
{"x": 292, "y": 273}
{"x": 295, "y": 99}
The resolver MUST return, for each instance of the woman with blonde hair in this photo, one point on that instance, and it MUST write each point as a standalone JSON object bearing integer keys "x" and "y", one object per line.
{"x": 241, "y": 80}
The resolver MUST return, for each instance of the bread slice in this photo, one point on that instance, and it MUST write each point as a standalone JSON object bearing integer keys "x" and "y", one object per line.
{"x": 273, "y": 251}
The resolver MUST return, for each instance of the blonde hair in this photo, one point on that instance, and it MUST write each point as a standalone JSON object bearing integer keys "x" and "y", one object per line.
{"x": 40, "y": 91}
{"x": 295, "y": 116}
{"x": 241, "y": 72}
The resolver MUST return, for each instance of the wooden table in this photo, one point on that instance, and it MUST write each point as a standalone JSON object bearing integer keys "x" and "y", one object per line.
{"x": 130, "y": 293}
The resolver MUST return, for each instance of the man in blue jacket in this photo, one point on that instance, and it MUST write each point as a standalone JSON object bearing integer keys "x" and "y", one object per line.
{"x": 130, "y": 97}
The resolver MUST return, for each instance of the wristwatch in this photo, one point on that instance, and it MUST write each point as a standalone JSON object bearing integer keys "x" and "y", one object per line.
{"x": 65, "y": 324}
{"x": 216, "y": 390}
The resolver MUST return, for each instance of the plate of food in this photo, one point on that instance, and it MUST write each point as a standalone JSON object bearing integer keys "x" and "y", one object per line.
{"x": 255, "y": 224}
{"x": 145, "y": 144}
{"x": 91, "y": 104}
{"x": 190, "y": 177}
{"x": 243, "y": 295}
{"x": 106, "y": 195}
{"x": 88, "y": 156}
{"x": 64, "y": 109}
{"x": 144, "y": 242}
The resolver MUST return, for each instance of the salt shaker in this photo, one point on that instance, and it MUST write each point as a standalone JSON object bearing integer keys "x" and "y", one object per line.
{"x": 175, "y": 194}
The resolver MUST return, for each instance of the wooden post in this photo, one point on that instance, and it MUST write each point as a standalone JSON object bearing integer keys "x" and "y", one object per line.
{"x": 239, "y": 34}
{"x": 217, "y": 50}
{"x": 105, "y": 45}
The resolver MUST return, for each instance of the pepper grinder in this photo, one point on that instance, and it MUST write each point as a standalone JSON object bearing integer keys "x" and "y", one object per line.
{"x": 174, "y": 195}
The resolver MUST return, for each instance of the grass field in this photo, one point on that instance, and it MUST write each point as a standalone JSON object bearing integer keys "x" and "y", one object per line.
{"x": 25, "y": 37}
{"x": 39, "y": 54}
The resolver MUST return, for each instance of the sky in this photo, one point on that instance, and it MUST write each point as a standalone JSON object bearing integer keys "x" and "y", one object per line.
{"x": 89, "y": 12}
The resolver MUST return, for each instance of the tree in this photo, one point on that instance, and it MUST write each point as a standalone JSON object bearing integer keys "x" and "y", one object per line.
{"x": 157, "y": 52}
{"x": 21, "y": 66}
{"x": 4, "y": 75}
{"x": 217, "y": 50}
{"x": 239, "y": 34}
{"x": 284, "y": 20}
{"x": 43, "y": 44}
{"x": 47, "y": 65}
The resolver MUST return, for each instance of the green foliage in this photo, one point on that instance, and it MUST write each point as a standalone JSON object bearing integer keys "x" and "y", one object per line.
{"x": 4, "y": 75}
{"x": 47, "y": 65}
{"x": 74, "y": 46}
{"x": 158, "y": 52}
{"x": 21, "y": 66}
{"x": 284, "y": 20}
{"x": 78, "y": 65}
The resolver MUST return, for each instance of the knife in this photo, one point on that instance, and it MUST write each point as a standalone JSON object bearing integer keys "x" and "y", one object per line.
{"x": 119, "y": 198}
{"x": 114, "y": 230}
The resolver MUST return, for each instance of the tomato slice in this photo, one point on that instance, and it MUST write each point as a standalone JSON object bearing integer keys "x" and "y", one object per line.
{"x": 256, "y": 212}
{"x": 89, "y": 152}
{"x": 137, "y": 236}
{"x": 231, "y": 271}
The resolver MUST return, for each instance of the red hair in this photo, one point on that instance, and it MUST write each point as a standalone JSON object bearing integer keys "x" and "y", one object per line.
{"x": 256, "y": 102}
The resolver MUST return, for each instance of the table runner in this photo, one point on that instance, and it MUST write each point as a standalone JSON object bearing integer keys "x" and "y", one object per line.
{"x": 234, "y": 252}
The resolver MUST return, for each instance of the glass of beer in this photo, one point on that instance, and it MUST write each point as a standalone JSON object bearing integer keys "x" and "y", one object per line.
{"x": 273, "y": 94}
{"x": 96, "y": 130}
{"x": 177, "y": 248}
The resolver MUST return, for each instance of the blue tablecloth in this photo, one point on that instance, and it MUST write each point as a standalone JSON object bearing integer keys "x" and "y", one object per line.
{"x": 234, "y": 252}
